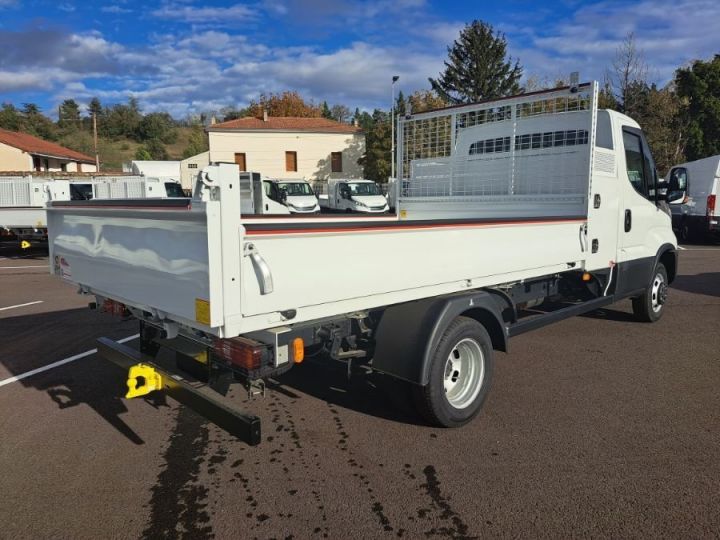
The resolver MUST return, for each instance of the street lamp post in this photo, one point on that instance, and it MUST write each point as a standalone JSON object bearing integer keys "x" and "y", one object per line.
{"x": 392, "y": 132}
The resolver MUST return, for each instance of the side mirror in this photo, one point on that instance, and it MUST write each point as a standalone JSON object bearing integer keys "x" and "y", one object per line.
{"x": 674, "y": 192}
{"x": 283, "y": 195}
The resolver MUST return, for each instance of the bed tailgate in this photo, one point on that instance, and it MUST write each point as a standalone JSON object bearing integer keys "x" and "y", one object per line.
{"x": 152, "y": 254}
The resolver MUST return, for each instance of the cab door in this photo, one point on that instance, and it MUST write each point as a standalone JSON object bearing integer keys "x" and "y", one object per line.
{"x": 641, "y": 222}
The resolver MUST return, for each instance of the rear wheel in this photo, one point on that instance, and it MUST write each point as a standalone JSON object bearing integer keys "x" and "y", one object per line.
{"x": 460, "y": 375}
{"x": 686, "y": 235}
{"x": 649, "y": 306}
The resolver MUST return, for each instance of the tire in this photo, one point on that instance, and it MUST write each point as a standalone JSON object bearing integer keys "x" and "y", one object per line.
{"x": 460, "y": 375}
{"x": 649, "y": 306}
{"x": 686, "y": 234}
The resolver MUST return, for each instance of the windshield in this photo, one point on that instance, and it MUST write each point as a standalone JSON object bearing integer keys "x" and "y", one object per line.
{"x": 81, "y": 192}
{"x": 296, "y": 188}
{"x": 174, "y": 189}
{"x": 364, "y": 188}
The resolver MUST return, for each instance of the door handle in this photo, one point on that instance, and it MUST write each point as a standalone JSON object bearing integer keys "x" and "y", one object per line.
{"x": 262, "y": 270}
{"x": 628, "y": 220}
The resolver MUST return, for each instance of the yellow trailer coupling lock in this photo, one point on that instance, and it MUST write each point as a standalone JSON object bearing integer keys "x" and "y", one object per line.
{"x": 142, "y": 379}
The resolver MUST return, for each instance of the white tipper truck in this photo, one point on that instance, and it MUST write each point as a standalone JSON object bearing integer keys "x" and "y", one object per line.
{"x": 514, "y": 214}
{"x": 347, "y": 195}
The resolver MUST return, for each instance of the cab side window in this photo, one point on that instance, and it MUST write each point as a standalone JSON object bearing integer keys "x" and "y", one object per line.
{"x": 640, "y": 167}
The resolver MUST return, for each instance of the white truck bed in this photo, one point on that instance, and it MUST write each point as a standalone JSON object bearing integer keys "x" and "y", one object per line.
{"x": 201, "y": 264}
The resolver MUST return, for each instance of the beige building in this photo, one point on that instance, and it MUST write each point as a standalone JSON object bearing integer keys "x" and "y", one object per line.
{"x": 20, "y": 152}
{"x": 190, "y": 167}
{"x": 289, "y": 147}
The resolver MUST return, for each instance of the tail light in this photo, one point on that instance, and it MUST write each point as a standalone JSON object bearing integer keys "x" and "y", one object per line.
{"x": 242, "y": 352}
{"x": 710, "y": 205}
{"x": 115, "y": 308}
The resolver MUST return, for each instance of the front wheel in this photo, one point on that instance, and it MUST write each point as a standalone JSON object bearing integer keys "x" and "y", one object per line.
{"x": 460, "y": 375}
{"x": 649, "y": 306}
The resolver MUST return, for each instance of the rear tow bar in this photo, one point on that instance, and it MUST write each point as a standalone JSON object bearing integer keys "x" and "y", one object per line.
{"x": 190, "y": 392}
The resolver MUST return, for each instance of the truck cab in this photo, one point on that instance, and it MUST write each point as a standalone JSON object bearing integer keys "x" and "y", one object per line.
{"x": 346, "y": 195}
{"x": 296, "y": 195}
{"x": 255, "y": 196}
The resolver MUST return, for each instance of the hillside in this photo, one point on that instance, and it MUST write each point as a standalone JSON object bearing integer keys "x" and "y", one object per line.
{"x": 113, "y": 153}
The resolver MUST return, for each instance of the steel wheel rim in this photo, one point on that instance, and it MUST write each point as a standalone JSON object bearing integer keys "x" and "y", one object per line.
{"x": 658, "y": 292}
{"x": 464, "y": 373}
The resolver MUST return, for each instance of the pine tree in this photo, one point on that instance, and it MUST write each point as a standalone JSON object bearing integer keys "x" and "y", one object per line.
{"x": 400, "y": 104}
{"x": 325, "y": 111}
{"x": 477, "y": 68}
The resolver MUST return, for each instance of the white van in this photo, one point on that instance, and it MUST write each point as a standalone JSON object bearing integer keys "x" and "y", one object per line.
{"x": 354, "y": 196}
{"x": 297, "y": 195}
{"x": 696, "y": 215}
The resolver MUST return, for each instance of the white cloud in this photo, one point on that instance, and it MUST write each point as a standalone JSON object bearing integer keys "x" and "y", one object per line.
{"x": 115, "y": 9}
{"x": 190, "y": 70}
{"x": 205, "y": 14}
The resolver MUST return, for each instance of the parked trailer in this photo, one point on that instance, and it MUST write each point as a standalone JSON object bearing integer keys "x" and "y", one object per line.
{"x": 347, "y": 195}
{"x": 696, "y": 214}
{"x": 517, "y": 213}
{"x": 23, "y": 199}
{"x": 22, "y": 206}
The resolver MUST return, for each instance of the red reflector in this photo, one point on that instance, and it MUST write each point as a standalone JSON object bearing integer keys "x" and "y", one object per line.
{"x": 114, "y": 308}
{"x": 240, "y": 351}
{"x": 710, "y": 204}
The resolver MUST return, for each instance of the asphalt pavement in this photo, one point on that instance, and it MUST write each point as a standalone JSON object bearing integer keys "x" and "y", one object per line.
{"x": 597, "y": 426}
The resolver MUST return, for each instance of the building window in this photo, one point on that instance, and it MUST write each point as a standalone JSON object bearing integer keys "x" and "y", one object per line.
{"x": 336, "y": 162}
{"x": 47, "y": 164}
{"x": 37, "y": 163}
{"x": 240, "y": 160}
{"x": 192, "y": 165}
{"x": 63, "y": 167}
{"x": 291, "y": 161}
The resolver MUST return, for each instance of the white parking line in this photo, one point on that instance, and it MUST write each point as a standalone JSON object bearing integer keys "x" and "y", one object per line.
{"x": 13, "y": 267}
{"x": 22, "y": 305}
{"x": 680, "y": 247}
{"x": 59, "y": 363}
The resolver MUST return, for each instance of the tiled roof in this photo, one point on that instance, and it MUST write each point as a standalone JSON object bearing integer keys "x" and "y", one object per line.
{"x": 286, "y": 123}
{"x": 34, "y": 145}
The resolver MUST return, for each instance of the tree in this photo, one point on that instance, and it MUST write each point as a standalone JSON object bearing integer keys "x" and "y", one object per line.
{"x": 340, "y": 113}
{"x": 376, "y": 159}
{"x": 629, "y": 75}
{"x": 69, "y": 115}
{"x": 121, "y": 120}
{"x": 232, "y": 113}
{"x": 10, "y": 117}
{"x": 36, "y": 123}
{"x": 94, "y": 107}
{"x": 425, "y": 100}
{"x": 197, "y": 142}
{"x": 658, "y": 112}
{"x": 157, "y": 126}
{"x": 699, "y": 87}
{"x": 400, "y": 104}
{"x": 284, "y": 104}
{"x": 152, "y": 149}
{"x": 142, "y": 154}
{"x": 477, "y": 68}
{"x": 606, "y": 96}
{"x": 364, "y": 120}
{"x": 325, "y": 111}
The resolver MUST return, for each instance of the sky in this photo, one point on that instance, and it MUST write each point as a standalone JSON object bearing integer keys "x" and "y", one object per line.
{"x": 187, "y": 56}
